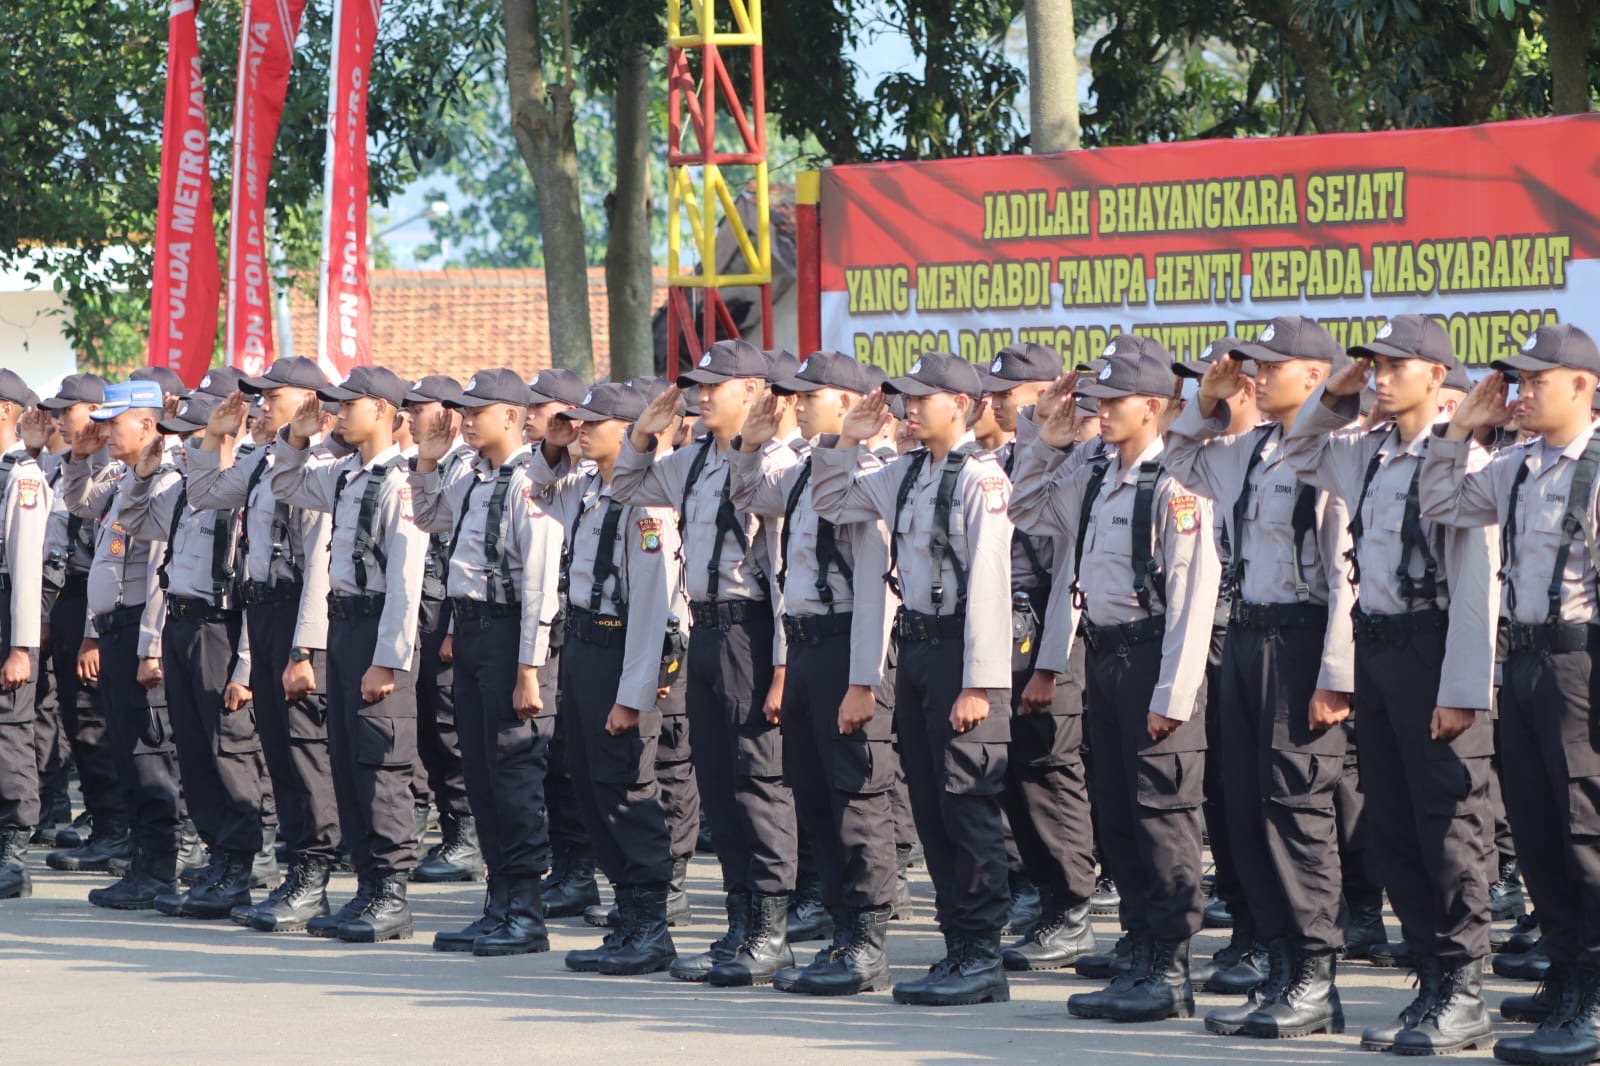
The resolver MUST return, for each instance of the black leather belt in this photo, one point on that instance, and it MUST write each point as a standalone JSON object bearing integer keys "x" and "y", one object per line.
{"x": 467, "y": 610}
{"x": 118, "y": 618}
{"x": 914, "y": 627}
{"x": 195, "y": 609}
{"x": 1279, "y": 615}
{"x": 721, "y": 614}
{"x": 1397, "y": 628}
{"x": 253, "y": 593}
{"x": 814, "y": 628}
{"x": 1126, "y": 635}
{"x": 347, "y": 608}
{"x": 1546, "y": 637}
{"x": 601, "y": 630}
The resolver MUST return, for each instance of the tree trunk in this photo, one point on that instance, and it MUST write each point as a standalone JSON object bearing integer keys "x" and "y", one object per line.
{"x": 542, "y": 122}
{"x": 629, "y": 262}
{"x": 1305, "y": 44}
{"x": 1477, "y": 104}
{"x": 1052, "y": 76}
{"x": 1568, "y": 29}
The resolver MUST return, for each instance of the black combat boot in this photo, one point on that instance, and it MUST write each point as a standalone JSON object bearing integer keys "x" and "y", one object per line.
{"x": 1558, "y": 982}
{"x": 860, "y": 965}
{"x": 1391, "y": 955}
{"x": 1103, "y": 966}
{"x": 1026, "y": 906}
{"x": 1531, "y": 965}
{"x": 55, "y": 809}
{"x": 975, "y": 975}
{"x": 1216, "y": 914}
{"x": 1523, "y": 935}
{"x": 698, "y": 967}
{"x": 787, "y": 978}
{"x": 1246, "y": 972}
{"x": 1309, "y": 1002}
{"x": 149, "y": 876}
{"x": 327, "y": 926}
{"x": 645, "y": 945}
{"x": 77, "y": 834}
{"x": 107, "y": 841}
{"x": 1382, "y": 1037}
{"x": 1162, "y": 992}
{"x": 14, "y": 880}
{"x": 911, "y": 991}
{"x": 457, "y": 857}
{"x": 171, "y": 903}
{"x": 523, "y": 931}
{"x": 216, "y": 897}
{"x": 264, "y": 869}
{"x": 1060, "y": 938}
{"x": 1571, "y": 1032}
{"x": 808, "y": 918}
{"x": 1363, "y": 927}
{"x": 1456, "y": 1020}
{"x": 387, "y": 915}
{"x": 571, "y": 886}
{"x": 496, "y": 905}
{"x": 765, "y": 950}
{"x": 302, "y": 897}
{"x": 1106, "y": 900}
{"x": 1226, "y": 1021}
{"x": 1506, "y": 898}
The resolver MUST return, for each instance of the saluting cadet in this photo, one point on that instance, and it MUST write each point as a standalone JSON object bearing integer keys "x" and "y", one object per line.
{"x": 622, "y": 571}
{"x": 1542, "y": 493}
{"x": 1047, "y": 795}
{"x": 1425, "y": 641}
{"x": 504, "y": 587}
{"x": 24, "y": 511}
{"x": 1287, "y": 668}
{"x": 1145, "y": 575}
{"x": 126, "y": 605}
{"x": 377, "y": 555}
{"x": 283, "y": 570}
{"x": 458, "y": 855}
{"x": 950, "y": 560}
{"x": 219, "y": 752}
{"x": 100, "y": 833}
{"x": 728, "y": 559}
{"x": 838, "y": 752}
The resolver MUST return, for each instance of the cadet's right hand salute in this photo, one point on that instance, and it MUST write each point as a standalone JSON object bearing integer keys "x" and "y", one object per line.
{"x": 1485, "y": 407}
{"x": 657, "y": 416}
{"x": 307, "y": 422}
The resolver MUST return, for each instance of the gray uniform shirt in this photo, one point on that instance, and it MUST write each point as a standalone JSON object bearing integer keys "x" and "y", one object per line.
{"x": 25, "y": 510}
{"x": 1467, "y": 559}
{"x": 400, "y": 582}
{"x": 123, "y": 572}
{"x": 1204, "y": 456}
{"x": 1455, "y": 494}
{"x": 530, "y": 544}
{"x": 980, "y": 537}
{"x": 1181, "y": 525}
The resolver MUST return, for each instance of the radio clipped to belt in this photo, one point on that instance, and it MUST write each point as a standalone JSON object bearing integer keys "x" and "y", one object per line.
{"x": 674, "y": 649}
{"x": 1024, "y": 632}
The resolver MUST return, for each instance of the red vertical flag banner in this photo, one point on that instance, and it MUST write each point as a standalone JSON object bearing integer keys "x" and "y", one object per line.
{"x": 344, "y": 310}
{"x": 186, "y": 279}
{"x": 266, "y": 51}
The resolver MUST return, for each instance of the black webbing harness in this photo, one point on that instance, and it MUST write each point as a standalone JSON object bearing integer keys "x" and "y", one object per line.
{"x": 224, "y": 546}
{"x": 1018, "y": 537}
{"x": 280, "y": 526}
{"x": 365, "y": 541}
{"x": 495, "y": 562}
{"x": 1412, "y": 538}
{"x": 1303, "y": 522}
{"x": 1577, "y": 521}
{"x": 727, "y": 523}
{"x": 1148, "y": 577}
{"x": 829, "y": 556}
{"x": 939, "y": 540}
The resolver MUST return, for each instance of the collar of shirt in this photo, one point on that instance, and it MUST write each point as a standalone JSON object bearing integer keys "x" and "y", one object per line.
{"x": 486, "y": 470}
{"x": 391, "y": 452}
{"x": 1393, "y": 449}
{"x": 1573, "y": 451}
{"x": 1129, "y": 476}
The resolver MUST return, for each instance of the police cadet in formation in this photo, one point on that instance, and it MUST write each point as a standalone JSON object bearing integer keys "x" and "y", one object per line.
{"x": 949, "y": 561}
{"x": 126, "y": 606}
{"x": 1424, "y": 659}
{"x": 377, "y": 555}
{"x": 1047, "y": 793}
{"x": 282, "y": 571}
{"x": 504, "y": 587}
{"x": 206, "y": 679}
{"x": 1287, "y": 668}
{"x": 100, "y": 833}
{"x": 570, "y": 889}
{"x": 621, "y": 565}
{"x": 728, "y": 559}
{"x": 24, "y": 513}
{"x": 838, "y": 751}
{"x": 1542, "y": 494}
{"x": 458, "y": 855}
{"x": 1145, "y": 576}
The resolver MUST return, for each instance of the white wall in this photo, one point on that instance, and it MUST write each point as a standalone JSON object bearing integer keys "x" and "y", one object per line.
{"x": 31, "y": 340}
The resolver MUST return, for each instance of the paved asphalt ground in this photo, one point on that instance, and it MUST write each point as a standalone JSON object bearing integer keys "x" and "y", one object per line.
{"x": 84, "y": 985}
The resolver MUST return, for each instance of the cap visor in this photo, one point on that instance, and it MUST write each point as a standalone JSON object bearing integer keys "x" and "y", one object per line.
{"x": 109, "y": 411}
{"x": 59, "y": 403}
{"x": 585, "y": 414}
{"x": 1191, "y": 368}
{"x": 989, "y": 383}
{"x": 1096, "y": 391}
{"x": 339, "y": 394}
{"x": 792, "y": 385}
{"x": 178, "y": 425}
{"x": 700, "y": 376}
{"x": 912, "y": 387}
{"x": 258, "y": 385}
{"x": 1261, "y": 353}
{"x": 475, "y": 401}
{"x": 1372, "y": 348}
{"x": 1523, "y": 364}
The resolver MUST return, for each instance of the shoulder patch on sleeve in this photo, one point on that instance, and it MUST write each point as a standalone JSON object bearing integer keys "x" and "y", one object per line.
{"x": 650, "y": 534}
{"x": 404, "y": 493}
{"x": 28, "y": 492}
{"x": 996, "y": 492}
{"x": 1185, "y": 513}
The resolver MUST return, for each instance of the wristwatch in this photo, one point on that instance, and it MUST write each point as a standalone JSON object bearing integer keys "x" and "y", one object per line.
{"x": 299, "y": 655}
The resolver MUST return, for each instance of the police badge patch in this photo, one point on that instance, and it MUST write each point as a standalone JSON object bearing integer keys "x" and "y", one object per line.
{"x": 28, "y": 492}
{"x": 994, "y": 494}
{"x": 650, "y": 535}
{"x": 1185, "y": 514}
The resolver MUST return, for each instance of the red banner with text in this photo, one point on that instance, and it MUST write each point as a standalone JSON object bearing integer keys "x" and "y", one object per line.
{"x": 345, "y": 307}
{"x": 185, "y": 282}
{"x": 1491, "y": 229}
{"x": 266, "y": 52}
